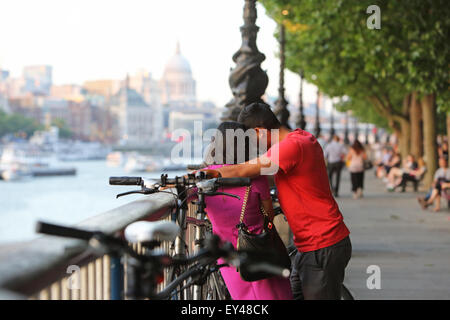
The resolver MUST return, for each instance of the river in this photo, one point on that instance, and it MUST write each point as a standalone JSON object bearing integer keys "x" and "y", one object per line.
{"x": 65, "y": 199}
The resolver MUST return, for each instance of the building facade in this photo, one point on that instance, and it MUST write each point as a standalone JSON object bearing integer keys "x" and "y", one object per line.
{"x": 177, "y": 85}
{"x": 134, "y": 117}
{"x": 38, "y": 79}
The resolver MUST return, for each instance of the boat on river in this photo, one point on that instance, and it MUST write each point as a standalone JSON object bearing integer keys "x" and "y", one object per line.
{"x": 20, "y": 161}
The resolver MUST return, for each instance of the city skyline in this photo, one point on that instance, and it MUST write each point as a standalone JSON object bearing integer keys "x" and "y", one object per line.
{"x": 91, "y": 46}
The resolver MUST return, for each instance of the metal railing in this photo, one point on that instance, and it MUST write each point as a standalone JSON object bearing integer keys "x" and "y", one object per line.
{"x": 62, "y": 269}
{"x": 54, "y": 268}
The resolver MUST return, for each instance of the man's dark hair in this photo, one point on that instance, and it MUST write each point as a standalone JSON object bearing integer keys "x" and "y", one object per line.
{"x": 258, "y": 114}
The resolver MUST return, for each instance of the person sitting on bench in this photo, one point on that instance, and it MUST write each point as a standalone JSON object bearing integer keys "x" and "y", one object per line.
{"x": 411, "y": 171}
{"x": 414, "y": 176}
{"x": 441, "y": 182}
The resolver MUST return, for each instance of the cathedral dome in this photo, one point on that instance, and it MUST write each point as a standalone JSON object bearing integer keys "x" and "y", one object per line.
{"x": 178, "y": 64}
{"x": 177, "y": 84}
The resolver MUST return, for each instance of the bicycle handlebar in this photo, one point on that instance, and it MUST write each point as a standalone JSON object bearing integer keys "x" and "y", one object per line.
{"x": 195, "y": 166}
{"x": 62, "y": 231}
{"x": 125, "y": 181}
{"x": 233, "y": 182}
{"x": 187, "y": 181}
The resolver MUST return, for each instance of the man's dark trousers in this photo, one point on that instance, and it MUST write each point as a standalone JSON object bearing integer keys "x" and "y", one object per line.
{"x": 319, "y": 274}
{"x": 335, "y": 168}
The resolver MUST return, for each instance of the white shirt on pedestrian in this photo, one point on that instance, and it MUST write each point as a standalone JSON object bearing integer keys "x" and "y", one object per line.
{"x": 442, "y": 173}
{"x": 335, "y": 152}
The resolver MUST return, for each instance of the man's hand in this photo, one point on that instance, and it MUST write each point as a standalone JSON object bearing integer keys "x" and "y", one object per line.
{"x": 211, "y": 173}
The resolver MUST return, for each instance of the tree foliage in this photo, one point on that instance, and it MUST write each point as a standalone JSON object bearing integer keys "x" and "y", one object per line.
{"x": 64, "y": 130}
{"x": 17, "y": 124}
{"x": 330, "y": 41}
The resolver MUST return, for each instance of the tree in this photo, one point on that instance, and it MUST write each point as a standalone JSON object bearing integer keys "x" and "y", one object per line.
{"x": 402, "y": 65}
{"x": 16, "y": 123}
{"x": 64, "y": 130}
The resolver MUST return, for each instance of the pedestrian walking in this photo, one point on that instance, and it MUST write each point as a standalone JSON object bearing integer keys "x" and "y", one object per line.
{"x": 355, "y": 159}
{"x": 335, "y": 153}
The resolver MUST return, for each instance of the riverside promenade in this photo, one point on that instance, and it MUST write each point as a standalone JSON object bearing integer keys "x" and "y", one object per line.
{"x": 390, "y": 230}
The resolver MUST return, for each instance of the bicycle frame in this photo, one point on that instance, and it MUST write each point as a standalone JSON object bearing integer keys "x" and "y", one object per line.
{"x": 180, "y": 216}
{"x": 199, "y": 237}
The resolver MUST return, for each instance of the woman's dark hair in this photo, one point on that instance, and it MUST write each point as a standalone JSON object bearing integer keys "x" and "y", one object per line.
{"x": 357, "y": 146}
{"x": 258, "y": 114}
{"x": 232, "y": 152}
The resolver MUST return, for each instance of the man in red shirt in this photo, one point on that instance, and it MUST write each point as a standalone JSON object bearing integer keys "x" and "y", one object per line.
{"x": 321, "y": 237}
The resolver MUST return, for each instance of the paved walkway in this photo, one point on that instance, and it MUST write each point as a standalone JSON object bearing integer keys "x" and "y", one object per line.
{"x": 390, "y": 230}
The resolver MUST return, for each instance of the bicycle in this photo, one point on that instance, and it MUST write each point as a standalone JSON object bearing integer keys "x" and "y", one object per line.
{"x": 212, "y": 287}
{"x": 146, "y": 269}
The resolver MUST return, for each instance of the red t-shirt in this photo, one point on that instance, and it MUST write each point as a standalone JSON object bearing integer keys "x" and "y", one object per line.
{"x": 304, "y": 192}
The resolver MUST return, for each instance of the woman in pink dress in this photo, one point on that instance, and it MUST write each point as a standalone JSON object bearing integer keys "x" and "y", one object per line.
{"x": 224, "y": 213}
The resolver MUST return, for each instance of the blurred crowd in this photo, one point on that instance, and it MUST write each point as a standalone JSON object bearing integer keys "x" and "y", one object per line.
{"x": 395, "y": 171}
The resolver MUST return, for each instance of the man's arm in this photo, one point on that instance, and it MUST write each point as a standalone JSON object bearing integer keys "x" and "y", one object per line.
{"x": 249, "y": 169}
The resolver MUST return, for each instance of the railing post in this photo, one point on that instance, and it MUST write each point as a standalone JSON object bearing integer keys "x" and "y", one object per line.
{"x": 106, "y": 278}
{"x": 99, "y": 279}
{"x": 55, "y": 291}
{"x": 44, "y": 294}
{"x": 91, "y": 280}
{"x": 116, "y": 278}
{"x": 65, "y": 291}
{"x": 84, "y": 283}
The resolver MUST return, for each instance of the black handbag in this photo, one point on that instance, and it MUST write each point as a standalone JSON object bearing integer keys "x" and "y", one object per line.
{"x": 268, "y": 243}
{"x": 368, "y": 165}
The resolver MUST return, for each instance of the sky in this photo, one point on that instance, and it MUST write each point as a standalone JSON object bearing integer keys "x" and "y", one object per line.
{"x": 106, "y": 39}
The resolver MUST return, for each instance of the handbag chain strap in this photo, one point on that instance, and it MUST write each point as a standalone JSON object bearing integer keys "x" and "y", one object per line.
{"x": 244, "y": 204}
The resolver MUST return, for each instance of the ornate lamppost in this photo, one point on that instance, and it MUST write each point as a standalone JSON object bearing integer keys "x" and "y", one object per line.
{"x": 301, "y": 123}
{"x": 281, "y": 103}
{"x": 346, "y": 139}
{"x": 332, "y": 130}
{"x": 376, "y": 134}
{"x": 247, "y": 80}
{"x": 356, "y": 129}
{"x": 317, "y": 122}
{"x": 367, "y": 134}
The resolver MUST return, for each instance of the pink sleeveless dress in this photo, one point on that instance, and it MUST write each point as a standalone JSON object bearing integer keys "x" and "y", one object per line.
{"x": 224, "y": 213}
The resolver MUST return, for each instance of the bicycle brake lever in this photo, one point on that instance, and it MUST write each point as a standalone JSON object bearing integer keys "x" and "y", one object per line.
{"x": 144, "y": 191}
{"x": 222, "y": 194}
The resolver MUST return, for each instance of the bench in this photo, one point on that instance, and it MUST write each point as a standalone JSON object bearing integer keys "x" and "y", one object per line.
{"x": 415, "y": 181}
{"x": 445, "y": 194}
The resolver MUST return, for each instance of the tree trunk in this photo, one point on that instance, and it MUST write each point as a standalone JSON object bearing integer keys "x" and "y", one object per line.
{"x": 429, "y": 136}
{"x": 405, "y": 127}
{"x": 404, "y": 138}
{"x": 448, "y": 130}
{"x": 415, "y": 117}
